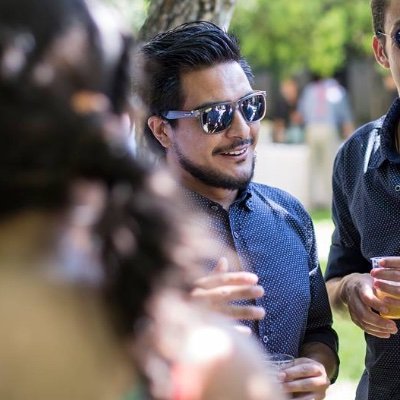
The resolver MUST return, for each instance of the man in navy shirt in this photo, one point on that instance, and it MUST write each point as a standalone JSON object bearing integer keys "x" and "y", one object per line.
{"x": 366, "y": 204}
{"x": 204, "y": 118}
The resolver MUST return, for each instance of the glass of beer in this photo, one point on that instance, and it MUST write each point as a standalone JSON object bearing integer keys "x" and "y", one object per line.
{"x": 393, "y": 311}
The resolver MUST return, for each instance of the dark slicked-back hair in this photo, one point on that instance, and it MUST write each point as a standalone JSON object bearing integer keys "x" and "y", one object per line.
{"x": 378, "y": 8}
{"x": 163, "y": 60}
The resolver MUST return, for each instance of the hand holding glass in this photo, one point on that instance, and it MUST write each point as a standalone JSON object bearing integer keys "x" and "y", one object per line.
{"x": 393, "y": 311}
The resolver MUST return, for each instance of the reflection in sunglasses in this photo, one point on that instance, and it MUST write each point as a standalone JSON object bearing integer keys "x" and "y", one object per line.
{"x": 219, "y": 116}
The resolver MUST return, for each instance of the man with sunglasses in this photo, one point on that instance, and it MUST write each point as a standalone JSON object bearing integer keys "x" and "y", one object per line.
{"x": 366, "y": 204}
{"x": 204, "y": 120}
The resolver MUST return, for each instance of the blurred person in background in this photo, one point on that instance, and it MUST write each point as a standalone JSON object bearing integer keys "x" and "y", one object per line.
{"x": 326, "y": 113}
{"x": 366, "y": 190}
{"x": 90, "y": 251}
{"x": 203, "y": 120}
{"x": 287, "y": 121}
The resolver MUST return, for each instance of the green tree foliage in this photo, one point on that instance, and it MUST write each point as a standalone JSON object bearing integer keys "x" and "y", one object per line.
{"x": 291, "y": 35}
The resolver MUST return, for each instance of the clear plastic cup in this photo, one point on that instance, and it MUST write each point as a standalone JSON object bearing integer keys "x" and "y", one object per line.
{"x": 393, "y": 311}
{"x": 280, "y": 361}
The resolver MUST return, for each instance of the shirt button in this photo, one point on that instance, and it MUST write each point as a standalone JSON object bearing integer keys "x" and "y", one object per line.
{"x": 397, "y": 188}
{"x": 235, "y": 234}
{"x": 214, "y": 208}
{"x": 265, "y": 339}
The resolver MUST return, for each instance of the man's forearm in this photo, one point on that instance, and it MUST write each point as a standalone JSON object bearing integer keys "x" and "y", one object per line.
{"x": 337, "y": 291}
{"x": 323, "y": 354}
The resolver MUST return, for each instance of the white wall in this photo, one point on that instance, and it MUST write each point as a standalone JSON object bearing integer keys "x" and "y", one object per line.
{"x": 285, "y": 166}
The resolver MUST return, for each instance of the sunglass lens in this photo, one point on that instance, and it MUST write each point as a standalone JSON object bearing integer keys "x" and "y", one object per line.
{"x": 217, "y": 118}
{"x": 396, "y": 38}
{"x": 253, "y": 108}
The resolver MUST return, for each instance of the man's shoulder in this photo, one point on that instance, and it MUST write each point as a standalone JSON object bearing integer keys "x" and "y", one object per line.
{"x": 272, "y": 201}
{"x": 363, "y": 133}
{"x": 355, "y": 154}
{"x": 276, "y": 196}
{"x": 262, "y": 189}
{"x": 356, "y": 145}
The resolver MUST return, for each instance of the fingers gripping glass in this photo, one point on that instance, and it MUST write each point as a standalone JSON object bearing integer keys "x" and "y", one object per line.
{"x": 395, "y": 37}
{"x": 218, "y": 117}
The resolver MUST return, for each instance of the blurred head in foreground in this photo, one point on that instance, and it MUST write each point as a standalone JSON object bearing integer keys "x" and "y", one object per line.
{"x": 66, "y": 177}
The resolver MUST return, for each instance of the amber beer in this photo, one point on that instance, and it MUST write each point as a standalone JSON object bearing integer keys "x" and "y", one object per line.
{"x": 393, "y": 311}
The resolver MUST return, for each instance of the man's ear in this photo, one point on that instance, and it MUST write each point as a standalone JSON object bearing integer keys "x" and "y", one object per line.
{"x": 161, "y": 130}
{"x": 380, "y": 52}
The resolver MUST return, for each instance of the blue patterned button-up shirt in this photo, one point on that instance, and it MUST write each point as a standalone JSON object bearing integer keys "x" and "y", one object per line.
{"x": 366, "y": 212}
{"x": 272, "y": 235}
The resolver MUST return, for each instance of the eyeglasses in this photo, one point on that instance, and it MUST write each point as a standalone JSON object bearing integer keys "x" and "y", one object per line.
{"x": 395, "y": 37}
{"x": 218, "y": 117}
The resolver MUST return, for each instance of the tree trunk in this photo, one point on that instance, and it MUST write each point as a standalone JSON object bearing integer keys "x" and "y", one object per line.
{"x": 167, "y": 14}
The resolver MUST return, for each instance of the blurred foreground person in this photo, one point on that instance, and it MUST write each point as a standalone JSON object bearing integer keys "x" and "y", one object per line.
{"x": 61, "y": 90}
{"x": 86, "y": 233}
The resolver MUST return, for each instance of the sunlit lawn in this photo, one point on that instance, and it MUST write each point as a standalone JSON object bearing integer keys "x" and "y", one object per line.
{"x": 351, "y": 338}
{"x": 351, "y": 348}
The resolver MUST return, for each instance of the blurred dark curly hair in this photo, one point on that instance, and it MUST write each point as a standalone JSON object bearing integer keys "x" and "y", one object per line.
{"x": 58, "y": 82}
{"x": 62, "y": 89}
{"x": 141, "y": 239}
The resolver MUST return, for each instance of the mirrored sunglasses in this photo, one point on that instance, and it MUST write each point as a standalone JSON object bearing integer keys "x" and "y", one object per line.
{"x": 218, "y": 117}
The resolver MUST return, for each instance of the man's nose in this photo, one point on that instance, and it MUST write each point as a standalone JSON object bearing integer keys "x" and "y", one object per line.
{"x": 239, "y": 127}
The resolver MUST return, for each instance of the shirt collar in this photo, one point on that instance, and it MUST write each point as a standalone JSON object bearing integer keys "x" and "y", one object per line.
{"x": 244, "y": 197}
{"x": 373, "y": 157}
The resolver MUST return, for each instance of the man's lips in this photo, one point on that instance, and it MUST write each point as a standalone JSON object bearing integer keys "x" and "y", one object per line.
{"x": 235, "y": 153}
{"x": 235, "y": 149}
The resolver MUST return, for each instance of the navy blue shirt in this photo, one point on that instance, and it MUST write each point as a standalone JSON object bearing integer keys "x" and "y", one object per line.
{"x": 366, "y": 213}
{"x": 272, "y": 235}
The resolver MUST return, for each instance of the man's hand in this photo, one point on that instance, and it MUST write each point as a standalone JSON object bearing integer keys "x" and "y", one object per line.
{"x": 390, "y": 273}
{"x": 356, "y": 290}
{"x": 306, "y": 380}
{"x": 221, "y": 287}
